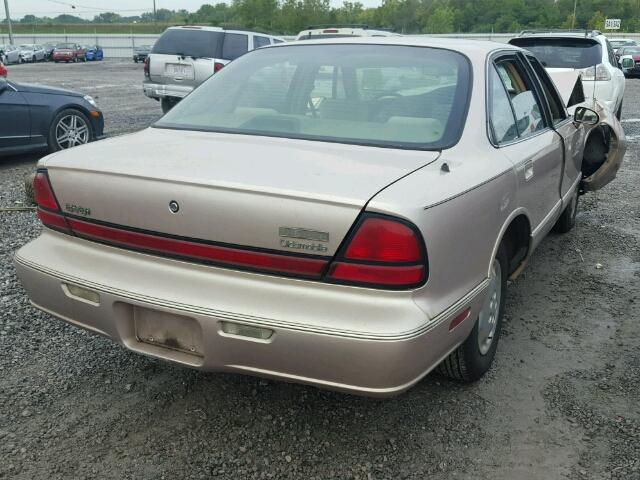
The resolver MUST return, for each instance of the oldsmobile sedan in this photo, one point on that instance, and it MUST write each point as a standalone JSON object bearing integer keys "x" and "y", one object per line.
{"x": 343, "y": 213}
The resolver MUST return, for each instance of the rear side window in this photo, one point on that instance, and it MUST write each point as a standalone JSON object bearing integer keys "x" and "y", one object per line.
{"x": 260, "y": 42}
{"x": 501, "y": 118}
{"x": 235, "y": 45}
{"x": 188, "y": 42}
{"x": 523, "y": 100}
{"x": 558, "y": 113}
{"x": 563, "y": 52}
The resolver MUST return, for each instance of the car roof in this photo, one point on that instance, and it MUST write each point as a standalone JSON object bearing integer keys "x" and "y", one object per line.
{"x": 465, "y": 46}
{"x": 219, "y": 29}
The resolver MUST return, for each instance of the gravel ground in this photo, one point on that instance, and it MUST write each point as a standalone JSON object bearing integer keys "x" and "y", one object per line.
{"x": 562, "y": 400}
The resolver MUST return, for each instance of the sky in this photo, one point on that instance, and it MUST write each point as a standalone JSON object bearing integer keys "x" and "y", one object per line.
{"x": 89, "y": 8}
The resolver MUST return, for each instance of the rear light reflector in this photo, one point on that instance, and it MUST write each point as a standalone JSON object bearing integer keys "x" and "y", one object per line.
{"x": 217, "y": 66}
{"x": 383, "y": 252}
{"x": 53, "y": 220}
{"x": 147, "y": 66}
{"x": 383, "y": 240}
{"x": 43, "y": 192}
{"x": 378, "y": 274}
{"x": 330, "y": 30}
{"x": 461, "y": 317}
{"x": 270, "y": 262}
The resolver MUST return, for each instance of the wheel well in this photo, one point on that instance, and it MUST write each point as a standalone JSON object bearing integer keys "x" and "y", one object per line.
{"x": 596, "y": 150}
{"x": 516, "y": 241}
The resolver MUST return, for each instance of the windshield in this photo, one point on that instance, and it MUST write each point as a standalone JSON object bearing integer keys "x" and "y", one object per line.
{"x": 621, "y": 43}
{"x": 70, "y": 46}
{"x": 26, "y": 47}
{"x": 563, "y": 52}
{"x": 406, "y": 97}
{"x": 630, "y": 51}
{"x": 316, "y": 36}
{"x": 191, "y": 43}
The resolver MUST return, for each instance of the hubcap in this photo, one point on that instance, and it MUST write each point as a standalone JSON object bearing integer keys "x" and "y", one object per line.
{"x": 488, "y": 318}
{"x": 71, "y": 131}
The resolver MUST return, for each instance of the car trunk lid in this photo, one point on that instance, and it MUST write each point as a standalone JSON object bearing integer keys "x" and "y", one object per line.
{"x": 290, "y": 195}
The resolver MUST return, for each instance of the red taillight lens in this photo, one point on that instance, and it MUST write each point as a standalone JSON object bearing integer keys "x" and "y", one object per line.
{"x": 383, "y": 240}
{"x": 3, "y": 70}
{"x": 383, "y": 252}
{"x": 147, "y": 66}
{"x": 43, "y": 192}
{"x": 48, "y": 209}
{"x": 217, "y": 67}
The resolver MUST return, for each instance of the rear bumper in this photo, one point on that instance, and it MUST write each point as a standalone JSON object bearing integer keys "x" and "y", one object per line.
{"x": 350, "y": 339}
{"x": 157, "y": 90}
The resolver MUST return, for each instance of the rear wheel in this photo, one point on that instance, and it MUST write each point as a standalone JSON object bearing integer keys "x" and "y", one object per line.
{"x": 474, "y": 357}
{"x": 567, "y": 219}
{"x": 167, "y": 103}
{"x": 69, "y": 128}
{"x": 619, "y": 112}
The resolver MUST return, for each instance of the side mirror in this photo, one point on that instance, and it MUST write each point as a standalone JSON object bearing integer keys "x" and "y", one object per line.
{"x": 586, "y": 116}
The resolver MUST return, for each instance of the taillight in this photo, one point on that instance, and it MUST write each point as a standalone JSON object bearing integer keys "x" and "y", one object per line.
{"x": 147, "y": 66}
{"x": 217, "y": 66}
{"x": 48, "y": 209}
{"x": 382, "y": 252}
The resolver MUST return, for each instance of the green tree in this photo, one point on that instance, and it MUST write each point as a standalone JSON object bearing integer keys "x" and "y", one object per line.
{"x": 441, "y": 20}
{"x": 597, "y": 21}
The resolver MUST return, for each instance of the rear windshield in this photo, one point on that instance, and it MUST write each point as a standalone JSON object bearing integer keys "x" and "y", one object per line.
{"x": 66, "y": 45}
{"x": 191, "y": 43}
{"x": 630, "y": 51}
{"x": 621, "y": 43}
{"x": 382, "y": 95}
{"x": 563, "y": 52}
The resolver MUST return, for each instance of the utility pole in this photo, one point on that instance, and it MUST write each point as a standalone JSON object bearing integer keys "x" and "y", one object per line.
{"x": 6, "y": 11}
{"x": 573, "y": 19}
{"x": 155, "y": 14}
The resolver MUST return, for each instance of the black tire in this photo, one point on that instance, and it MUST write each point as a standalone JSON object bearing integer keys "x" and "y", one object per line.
{"x": 167, "y": 103}
{"x": 28, "y": 188}
{"x": 567, "y": 219}
{"x": 34, "y": 59}
{"x": 52, "y": 141}
{"x": 619, "y": 112}
{"x": 467, "y": 363}
{"x": 135, "y": 60}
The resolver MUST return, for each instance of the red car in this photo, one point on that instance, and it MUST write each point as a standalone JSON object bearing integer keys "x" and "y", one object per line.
{"x": 69, "y": 52}
{"x": 3, "y": 70}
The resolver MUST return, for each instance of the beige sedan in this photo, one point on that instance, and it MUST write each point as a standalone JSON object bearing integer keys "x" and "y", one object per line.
{"x": 343, "y": 213}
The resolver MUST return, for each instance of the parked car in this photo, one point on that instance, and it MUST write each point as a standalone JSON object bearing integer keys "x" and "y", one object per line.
{"x": 40, "y": 118}
{"x": 3, "y": 70}
{"x": 617, "y": 43}
{"x": 325, "y": 213}
{"x": 184, "y": 57}
{"x": 340, "y": 31}
{"x": 69, "y": 52}
{"x": 94, "y": 53}
{"x": 589, "y": 52}
{"x": 48, "y": 51}
{"x": 141, "y": 52}
{"x": 11, "y": 54}
{"x": 31, "y": 52}
{"x": 629, "y": 61}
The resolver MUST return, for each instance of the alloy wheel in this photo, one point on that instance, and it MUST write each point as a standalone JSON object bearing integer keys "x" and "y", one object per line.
{"x": 488, "y": 318}
{"x": 71, "y": 130}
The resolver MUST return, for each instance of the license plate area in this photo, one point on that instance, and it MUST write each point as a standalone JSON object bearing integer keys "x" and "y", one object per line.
{"x": 167, "y": 330}
{"x": 179, "y": 71}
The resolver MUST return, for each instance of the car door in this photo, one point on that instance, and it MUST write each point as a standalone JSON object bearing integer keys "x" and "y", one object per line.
{"x": 573, "y": 135}
{"x": 15, "y": 121}
{"x": 527, "y": 140}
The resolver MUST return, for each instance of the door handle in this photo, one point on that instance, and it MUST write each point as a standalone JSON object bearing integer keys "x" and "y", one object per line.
{"x": 528, "y": 170}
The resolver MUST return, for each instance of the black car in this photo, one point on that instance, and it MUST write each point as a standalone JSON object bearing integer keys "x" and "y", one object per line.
{"x": 141, "y": 53}
{"x": 45, "y": 118}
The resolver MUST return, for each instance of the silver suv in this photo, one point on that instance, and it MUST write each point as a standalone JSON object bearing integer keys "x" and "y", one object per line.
{"x": 184, "y": 57}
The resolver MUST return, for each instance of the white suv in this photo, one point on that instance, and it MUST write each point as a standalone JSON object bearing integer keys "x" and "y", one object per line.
{"x": 589, "y": 52}
{"x": 341, "y": 31}
{"x": 184, "y": 57}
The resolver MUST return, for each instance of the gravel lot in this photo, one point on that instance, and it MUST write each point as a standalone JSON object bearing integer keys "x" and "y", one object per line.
{"x": 562, "y": 401}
